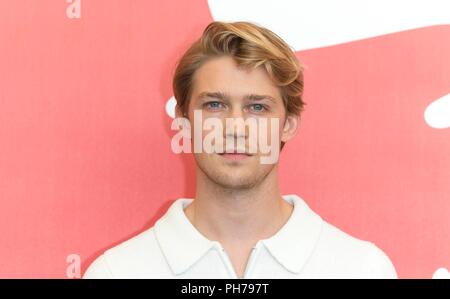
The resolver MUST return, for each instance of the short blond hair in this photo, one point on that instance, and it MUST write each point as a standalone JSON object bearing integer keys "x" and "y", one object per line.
{"x": 249, "y": 45}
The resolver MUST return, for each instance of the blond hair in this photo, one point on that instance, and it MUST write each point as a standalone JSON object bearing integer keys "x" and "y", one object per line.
{"x": 251, "y": 46}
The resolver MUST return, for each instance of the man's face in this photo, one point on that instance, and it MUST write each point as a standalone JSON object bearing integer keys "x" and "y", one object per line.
{"x": 219, "y": 91}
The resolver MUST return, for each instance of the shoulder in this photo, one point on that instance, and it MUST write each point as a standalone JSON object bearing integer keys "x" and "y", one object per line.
{"x": 139, "y": 256}
{"x": 353, "y": 256}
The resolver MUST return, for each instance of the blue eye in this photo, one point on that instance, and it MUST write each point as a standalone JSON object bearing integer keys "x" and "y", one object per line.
{"x": 258, "y": 107}
{"x": 213, "y": 105}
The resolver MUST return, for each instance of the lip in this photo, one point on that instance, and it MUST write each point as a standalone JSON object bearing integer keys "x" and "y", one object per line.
{"x": 235, "y": 156}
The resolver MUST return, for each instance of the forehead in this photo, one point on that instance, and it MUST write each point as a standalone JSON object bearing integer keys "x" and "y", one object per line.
{"x": 223, "y": 74}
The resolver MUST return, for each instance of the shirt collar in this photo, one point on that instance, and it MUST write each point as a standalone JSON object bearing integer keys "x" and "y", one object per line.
{"x": 294, "y": 243}
{"x": 183, "y": 245}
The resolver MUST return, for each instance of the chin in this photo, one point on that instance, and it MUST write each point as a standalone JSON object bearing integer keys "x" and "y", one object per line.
{"x": 236, "y": 179}
{"x": 231, "y": 174}
{"x": 236, "y": 184}
{"x": 230, "y": 179}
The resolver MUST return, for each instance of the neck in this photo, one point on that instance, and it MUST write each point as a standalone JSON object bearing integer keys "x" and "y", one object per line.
{"x": 238, "y": 216}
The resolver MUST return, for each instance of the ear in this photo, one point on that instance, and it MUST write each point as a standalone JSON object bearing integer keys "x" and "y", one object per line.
{"x": 290, "y": 127}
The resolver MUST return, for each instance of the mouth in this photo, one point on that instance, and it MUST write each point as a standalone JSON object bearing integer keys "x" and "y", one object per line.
{"x": 235, "y": 156}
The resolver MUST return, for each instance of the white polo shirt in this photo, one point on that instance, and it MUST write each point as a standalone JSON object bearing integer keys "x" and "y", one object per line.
{"x": 305, "y": 247}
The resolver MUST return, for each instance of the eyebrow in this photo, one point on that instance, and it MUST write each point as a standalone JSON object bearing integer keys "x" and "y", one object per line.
{"x": 224, "y": 96}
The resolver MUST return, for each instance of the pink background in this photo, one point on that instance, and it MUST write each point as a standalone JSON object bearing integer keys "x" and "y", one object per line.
{"x": 85, "y": 158}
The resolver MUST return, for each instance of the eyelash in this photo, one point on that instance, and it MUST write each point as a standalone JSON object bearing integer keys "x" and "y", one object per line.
{"x": 264, "y": 107}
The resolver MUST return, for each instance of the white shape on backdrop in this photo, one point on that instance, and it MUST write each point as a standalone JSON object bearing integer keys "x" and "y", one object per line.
{"x": 319, "y": 23}
{"x": 170, "y": 107}
{"x": 441, "y": 273}
{"x": 437, "y": 114}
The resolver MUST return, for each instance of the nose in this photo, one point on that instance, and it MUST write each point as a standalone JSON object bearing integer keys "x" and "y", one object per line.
{"x": 235, "y": 125}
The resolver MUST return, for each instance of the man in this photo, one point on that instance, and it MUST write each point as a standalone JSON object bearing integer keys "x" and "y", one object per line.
{"x": 239, "y": 225}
